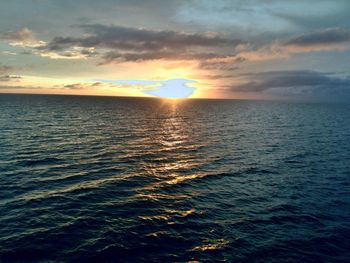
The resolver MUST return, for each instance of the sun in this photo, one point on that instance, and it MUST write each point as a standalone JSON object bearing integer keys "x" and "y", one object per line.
{"x": 173, "y": 89}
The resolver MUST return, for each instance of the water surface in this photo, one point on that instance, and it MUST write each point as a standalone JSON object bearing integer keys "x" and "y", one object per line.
{"x": 123, "y": 179}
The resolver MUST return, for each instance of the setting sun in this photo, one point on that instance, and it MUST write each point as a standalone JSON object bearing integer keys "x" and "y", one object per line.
{"x": 171, "y": 88}
{"x": 174, "y": 88}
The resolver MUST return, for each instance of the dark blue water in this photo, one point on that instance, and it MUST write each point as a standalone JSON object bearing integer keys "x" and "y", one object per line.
{"x": 86, "y": 179}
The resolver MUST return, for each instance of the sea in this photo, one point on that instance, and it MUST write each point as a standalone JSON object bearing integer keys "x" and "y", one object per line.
{"x": 112, "y": 179}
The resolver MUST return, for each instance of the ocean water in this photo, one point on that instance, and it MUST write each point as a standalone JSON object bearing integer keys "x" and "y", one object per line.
{"x": 102, "y": 179}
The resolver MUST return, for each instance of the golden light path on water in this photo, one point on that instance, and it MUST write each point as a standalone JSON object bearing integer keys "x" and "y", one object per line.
{"x": 172, "y": 160}
{"x": 165, "y": 153}
{"x": 171, "y": 149}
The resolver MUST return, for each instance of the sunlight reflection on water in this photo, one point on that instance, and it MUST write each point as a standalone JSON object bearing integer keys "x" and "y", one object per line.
{"x": 99, "y": 179}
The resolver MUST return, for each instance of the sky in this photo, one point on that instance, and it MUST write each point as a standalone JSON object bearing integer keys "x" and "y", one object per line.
{"x": 267, "y": 49}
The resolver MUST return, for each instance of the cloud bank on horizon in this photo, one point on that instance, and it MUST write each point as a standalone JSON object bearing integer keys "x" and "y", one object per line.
{"x": 233, "y": 49}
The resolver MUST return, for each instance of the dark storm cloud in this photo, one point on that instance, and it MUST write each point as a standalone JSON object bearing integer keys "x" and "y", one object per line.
{"x": 134, "y": 44}
{"x": 292, "y": 79}
{"x": 324, "y": 37}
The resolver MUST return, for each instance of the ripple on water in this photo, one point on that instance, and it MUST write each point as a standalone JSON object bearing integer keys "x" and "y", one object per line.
{"x": 88, "y": 179}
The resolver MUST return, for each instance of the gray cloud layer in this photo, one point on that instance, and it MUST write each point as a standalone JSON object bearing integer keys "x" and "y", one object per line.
{"x": 116, "y": 44}
{"x": 307, "y": 80}
{"x": 133, "y": 44}
{"x": 324, "y": 37}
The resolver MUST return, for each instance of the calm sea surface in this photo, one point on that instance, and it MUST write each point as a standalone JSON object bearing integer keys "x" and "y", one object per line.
{"x": 86, "y": 179}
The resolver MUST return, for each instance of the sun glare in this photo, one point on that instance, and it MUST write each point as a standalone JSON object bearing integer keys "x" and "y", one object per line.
{"x": 173, "y": 89}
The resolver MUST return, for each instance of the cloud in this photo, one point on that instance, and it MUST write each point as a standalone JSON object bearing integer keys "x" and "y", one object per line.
{"x": 20, "y": 35}
{"x": 262, "y": 20}
{"x": 120, "y": 44}
{"x": 75, "y": 86}
{"x": 299, "y": 81}
{"x": 7, "y": 78}
{"x": 23, "y": 37}
{"x": 126, "y": 38}
{"x": 117, "y": 57}
{"x": 326, "y": 39}
{"x": 317, "y": 14}
{"x": 320, "y": 40}
{"x": 5, "y": 69}
{"x": 214, "y": 76}
{"x": 81, "y": 86}
{"x": 19, "y": 87}
{"x": 225, "y": 65}
{"x": 71, "y": 53}
{"x": 6, "y": 52}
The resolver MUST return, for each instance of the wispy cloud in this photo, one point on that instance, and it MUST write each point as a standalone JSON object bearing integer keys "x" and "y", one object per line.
{"x": 5, "y": 75}
{"x": 7, "y": 78}
{"x": 81, "y": 86}
{"x": 23, "y": 37}
{"x": 6, "y": 69}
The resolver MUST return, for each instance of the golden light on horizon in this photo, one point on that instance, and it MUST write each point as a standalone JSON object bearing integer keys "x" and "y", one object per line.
{"x": 168, "y": 82}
